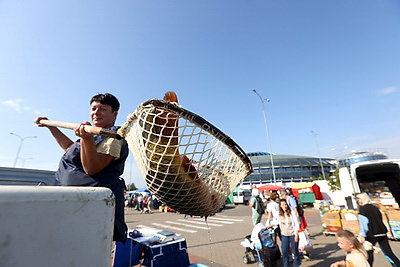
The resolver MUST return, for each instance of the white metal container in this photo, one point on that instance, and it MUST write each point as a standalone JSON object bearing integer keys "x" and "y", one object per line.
{"x": 56, "y": 226}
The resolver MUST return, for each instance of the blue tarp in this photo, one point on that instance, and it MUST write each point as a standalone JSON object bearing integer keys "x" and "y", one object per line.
{"x": 143, "y": 189}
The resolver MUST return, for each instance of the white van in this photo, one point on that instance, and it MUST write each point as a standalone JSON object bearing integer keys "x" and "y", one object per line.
{"x": 241, "y": 197}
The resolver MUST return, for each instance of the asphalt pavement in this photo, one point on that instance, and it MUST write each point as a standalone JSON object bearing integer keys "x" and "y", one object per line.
{"x": 215, "y": 242}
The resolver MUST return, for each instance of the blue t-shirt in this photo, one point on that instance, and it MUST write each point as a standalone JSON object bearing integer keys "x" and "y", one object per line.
{"x": 291, "y": 202}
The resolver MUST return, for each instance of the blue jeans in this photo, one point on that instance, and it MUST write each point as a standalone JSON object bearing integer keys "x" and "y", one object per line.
{"x": 289, "y": 247}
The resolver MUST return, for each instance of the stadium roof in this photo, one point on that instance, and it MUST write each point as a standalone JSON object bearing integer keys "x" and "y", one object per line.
{"x": 264, "y": 158}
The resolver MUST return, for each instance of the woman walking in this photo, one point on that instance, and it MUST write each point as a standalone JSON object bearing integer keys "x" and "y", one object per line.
{"x": 373, "y": 230}
{"x": 289, "y": 226}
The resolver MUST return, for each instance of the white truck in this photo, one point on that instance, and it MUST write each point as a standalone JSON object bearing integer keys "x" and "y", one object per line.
{"x": 376, "y": 176}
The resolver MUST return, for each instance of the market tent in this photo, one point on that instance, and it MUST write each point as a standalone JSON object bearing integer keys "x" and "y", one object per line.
{"x": 143, "y": 189}
{"x": 312, "y": 187}
{"x": 229, "y": 199}
{"x": 269, "y": 187}
{"x": 237, "y": 189}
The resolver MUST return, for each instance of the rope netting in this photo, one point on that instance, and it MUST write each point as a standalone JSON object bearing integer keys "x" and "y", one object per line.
{"x": 187, "y": 163}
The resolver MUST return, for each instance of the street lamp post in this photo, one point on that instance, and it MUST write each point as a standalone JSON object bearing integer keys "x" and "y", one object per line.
{"x": 20, "y": 145}
{"x": 266, "y": 128}
{"x": 319, "y": 154}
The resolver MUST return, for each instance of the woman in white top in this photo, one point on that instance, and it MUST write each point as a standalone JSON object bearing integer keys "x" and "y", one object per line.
{"x": 289, "y": 226}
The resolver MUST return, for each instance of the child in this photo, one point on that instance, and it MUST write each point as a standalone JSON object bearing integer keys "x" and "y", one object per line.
{"x": 356, "y": 255}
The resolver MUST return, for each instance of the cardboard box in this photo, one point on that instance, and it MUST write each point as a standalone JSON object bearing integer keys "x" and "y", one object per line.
{"x": 330, "y": 215}
{"x": 331, "y": 222}
{"x": 386, "y": 223}
{"x": 394, "y": 225}
{"x": 395, "y": 229}
{"x": 352, "y": 225}
{"x": 349, "y": 216}
{"x": 393, "y": 215}
{"x": 331, "y": 219}
{"x": 388, "y": 201}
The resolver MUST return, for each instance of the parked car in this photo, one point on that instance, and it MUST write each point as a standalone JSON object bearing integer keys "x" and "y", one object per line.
{"x": 241, "y": 197}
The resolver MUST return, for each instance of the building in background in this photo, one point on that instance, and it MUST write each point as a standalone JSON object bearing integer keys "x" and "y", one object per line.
{"x": 294, "y": 169}
{"x": 288, "y": 168}
{"x": 358, "y": 157}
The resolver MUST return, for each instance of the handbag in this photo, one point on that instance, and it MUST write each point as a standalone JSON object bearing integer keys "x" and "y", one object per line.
{"x": 305, "y": 243}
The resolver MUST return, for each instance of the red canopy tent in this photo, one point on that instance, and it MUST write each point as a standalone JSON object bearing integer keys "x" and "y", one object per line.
{"x": 312, "y": 186}
{"x": 269, "y": 187}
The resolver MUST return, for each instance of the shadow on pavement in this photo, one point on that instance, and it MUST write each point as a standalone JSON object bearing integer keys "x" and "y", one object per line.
{"x": 238, "y": 240}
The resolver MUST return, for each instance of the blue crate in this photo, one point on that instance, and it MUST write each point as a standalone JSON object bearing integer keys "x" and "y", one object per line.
{"x": 170, "y": 254}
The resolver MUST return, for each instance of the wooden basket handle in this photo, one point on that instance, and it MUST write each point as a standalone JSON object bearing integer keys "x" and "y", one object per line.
{"x": 88, "y": 128}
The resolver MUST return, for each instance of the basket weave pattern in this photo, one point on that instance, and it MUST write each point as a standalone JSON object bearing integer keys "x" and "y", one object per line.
{"x": 184, "y": 164}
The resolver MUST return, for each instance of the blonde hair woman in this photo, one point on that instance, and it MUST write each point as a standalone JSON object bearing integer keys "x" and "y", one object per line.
{"x": 373, "y": 230}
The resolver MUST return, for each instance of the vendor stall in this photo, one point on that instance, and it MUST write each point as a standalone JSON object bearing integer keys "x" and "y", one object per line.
{"x": 306, "y": 198}
{"x": 335, "y": 219}
{"x": 301, "y": 188}
{"x": 270, "y": 187}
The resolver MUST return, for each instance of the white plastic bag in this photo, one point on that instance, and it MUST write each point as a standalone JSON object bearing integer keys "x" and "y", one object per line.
{"x": 304, "y": 241}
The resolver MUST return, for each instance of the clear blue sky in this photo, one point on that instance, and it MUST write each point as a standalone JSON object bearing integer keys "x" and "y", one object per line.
{"x": 327, "y": 66}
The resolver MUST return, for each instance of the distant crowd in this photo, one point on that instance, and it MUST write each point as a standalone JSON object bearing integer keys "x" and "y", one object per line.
{"x": 144, "y": 203}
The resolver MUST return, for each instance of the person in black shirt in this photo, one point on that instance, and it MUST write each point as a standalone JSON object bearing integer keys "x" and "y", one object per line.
{"x": 373, "y": 230}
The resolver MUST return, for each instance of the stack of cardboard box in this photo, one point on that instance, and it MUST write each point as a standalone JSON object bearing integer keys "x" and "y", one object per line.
{"x": 349, "y": 220}
{"x": 393, "y": 219}
{"x": 336, "y": 220}
{"x": 331, "y": 221}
